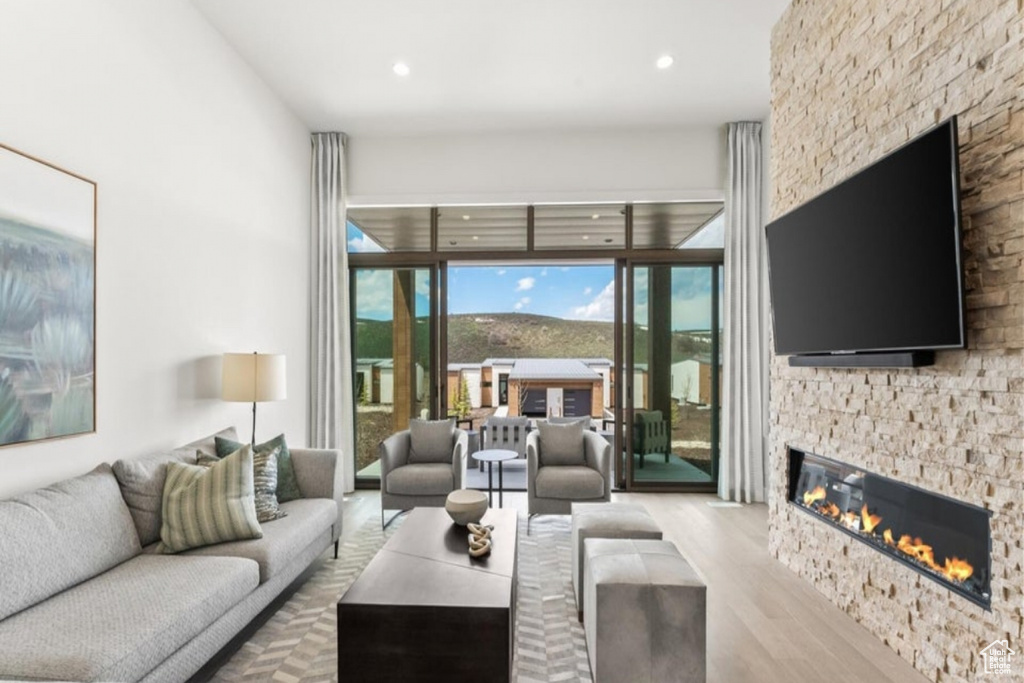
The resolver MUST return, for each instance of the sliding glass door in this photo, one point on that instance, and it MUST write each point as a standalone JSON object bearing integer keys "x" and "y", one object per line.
{"x": 672, "y": 365}
{"x": 393, "y": 335}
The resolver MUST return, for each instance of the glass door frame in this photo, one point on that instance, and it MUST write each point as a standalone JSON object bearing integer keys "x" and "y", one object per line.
{"x": 625, "y": 270}
{"x": 624, "y": 258}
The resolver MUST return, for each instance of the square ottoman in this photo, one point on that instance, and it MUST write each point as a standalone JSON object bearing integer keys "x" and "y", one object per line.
{"x": 646, "y": 613}
{"x": 605, "y": 520}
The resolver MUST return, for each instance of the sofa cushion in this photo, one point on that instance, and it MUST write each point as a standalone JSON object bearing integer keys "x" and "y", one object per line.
{"x": 206, "y": 505}
{"x": 561, "y": 444}
{"x": 431, "y": 441}
{"x": 142, "y": 486}
{"x": 287, "y": 482}
{"x": 425, "y": 479}
{"x": 283, "y": 539}
{"x": 569, "y": 482}
{"x": 56, "y": 537}
{"x": 121, "y": 624}
{"x": 208, "y": 444}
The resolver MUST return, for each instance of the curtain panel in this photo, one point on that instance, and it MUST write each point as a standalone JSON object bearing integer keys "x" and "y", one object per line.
{"x": 331, "y": 416}
{"x": 745, "y": 393}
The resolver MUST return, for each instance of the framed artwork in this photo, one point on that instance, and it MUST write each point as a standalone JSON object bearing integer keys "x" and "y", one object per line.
{"x": 47, "y": 300}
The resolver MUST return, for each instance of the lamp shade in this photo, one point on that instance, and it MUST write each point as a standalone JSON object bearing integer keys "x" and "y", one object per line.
{"x": 253, "y": 377}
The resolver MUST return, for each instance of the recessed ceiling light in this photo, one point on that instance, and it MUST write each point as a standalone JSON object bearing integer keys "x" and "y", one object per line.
{"x": 401, "y": 68}
{"x": 465, "y": 217}
{"x": 475, "y": 237}
{"x": 595, "y": 216}
{"x": 586, "y": 237}
{"x": 665, "y": 61}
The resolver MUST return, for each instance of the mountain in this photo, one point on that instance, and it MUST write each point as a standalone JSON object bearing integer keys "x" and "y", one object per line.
{"x": 475, "y": 337}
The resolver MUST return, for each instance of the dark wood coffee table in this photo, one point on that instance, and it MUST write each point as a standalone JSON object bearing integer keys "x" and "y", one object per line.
{"x": 424, "y": 610}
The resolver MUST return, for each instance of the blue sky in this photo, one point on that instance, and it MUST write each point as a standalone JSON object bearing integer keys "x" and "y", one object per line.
{"x": 568, "y": 292}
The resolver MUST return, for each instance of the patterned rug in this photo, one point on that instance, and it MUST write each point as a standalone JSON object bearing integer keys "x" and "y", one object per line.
{"x": 298, "y": 644}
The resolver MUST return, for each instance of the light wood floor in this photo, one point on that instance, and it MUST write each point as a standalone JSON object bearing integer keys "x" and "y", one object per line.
{"x": 765, "y": 624}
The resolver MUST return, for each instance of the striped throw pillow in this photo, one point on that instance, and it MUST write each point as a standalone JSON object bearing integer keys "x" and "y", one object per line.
{"x": 207, "y": 505}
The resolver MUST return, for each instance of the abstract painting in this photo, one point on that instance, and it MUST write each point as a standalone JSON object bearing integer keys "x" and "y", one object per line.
{"x": 47, "y": 300}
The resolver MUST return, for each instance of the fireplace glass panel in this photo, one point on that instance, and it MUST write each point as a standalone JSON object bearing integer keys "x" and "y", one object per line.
{"x": 946, "y": 540}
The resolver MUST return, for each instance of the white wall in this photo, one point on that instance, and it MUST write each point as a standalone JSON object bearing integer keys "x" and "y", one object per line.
{"x": 203, "y": 217}
{"x": 562, "y": 166}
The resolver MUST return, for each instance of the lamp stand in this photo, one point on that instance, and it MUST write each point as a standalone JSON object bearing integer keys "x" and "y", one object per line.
{"x": 253, "y": 443}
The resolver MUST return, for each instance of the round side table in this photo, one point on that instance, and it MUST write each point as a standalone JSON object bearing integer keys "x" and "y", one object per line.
{"x": 491, "y": 456}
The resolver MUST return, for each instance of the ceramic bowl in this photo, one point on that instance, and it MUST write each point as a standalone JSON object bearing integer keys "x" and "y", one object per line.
{"x": 466, "y": 506}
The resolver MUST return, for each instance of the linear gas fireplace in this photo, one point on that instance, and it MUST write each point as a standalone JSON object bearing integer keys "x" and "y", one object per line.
{"x": 948, "y": 541}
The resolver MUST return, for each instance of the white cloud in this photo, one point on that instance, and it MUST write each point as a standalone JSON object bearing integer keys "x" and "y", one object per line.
{"x": 588, "y": 291}
{"x": 523, "y": 302}
{"x": 374, "y": 294}
{"x": 602, "y": 307}
{"x": 525, "y": 284}
{"x": 364, "y": 245}
{"x": 501, "y": 271}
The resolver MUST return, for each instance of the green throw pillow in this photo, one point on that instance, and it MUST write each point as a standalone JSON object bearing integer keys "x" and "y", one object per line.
{"x": 207, "y": 505}
{"x": 287, "y": 483}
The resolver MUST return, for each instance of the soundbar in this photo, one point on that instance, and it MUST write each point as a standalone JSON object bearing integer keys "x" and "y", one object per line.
{"x": 893, "y": 359}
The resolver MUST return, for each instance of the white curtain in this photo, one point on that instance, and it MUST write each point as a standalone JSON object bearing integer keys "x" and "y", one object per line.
{"x": 741, "y": 475}
{"x": 330, "y": 400}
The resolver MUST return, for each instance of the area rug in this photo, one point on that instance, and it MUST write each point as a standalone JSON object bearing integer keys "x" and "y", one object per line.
{"x": 298, "y": 644}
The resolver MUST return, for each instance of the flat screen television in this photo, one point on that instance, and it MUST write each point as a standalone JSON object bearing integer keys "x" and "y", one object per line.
{"x": 874, "y": 263}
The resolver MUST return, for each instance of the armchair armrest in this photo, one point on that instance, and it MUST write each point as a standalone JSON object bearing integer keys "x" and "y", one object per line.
{"x": 394, "y": 453}
{"x": 459, "y": 457}
{"x": 598, "y": 453}
{"x": 319, "y": 476}
{"x": 532, "y": 460}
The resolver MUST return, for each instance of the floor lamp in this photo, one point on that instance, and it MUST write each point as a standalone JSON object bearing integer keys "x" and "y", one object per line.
{"x": 253, "y": 377}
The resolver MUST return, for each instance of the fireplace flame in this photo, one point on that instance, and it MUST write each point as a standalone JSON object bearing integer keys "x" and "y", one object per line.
{"x": 868, "y": 522}
{"x": 917, "y": 548}
{"x": 953, "y": 569}
{"x": 957, "y": 569}
{"x": 817, "y": 494}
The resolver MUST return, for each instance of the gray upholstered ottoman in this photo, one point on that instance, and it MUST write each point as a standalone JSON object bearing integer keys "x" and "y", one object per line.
{"x": 605, "y": 520}
{"x": 646, "y": 613}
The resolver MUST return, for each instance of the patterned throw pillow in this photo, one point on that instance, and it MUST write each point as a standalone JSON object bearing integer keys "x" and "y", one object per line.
{"x": 287, "y": 482}
{"x": 264, "y": 472}
{"x": 207, "y": 505}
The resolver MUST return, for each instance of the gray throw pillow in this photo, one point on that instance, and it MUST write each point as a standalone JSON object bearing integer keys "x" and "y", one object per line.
{"x": 561, "y": 444}
{"x": 142, "y": 487}
{"x": 431, "y": 441}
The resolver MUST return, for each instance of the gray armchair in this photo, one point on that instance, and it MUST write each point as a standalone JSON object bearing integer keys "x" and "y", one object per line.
{"x": 411, "y": 477}
{"x": 554, "y": 482}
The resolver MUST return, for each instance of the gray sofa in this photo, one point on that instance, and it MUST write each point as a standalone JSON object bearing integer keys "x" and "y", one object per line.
{"x": 84, "y": 597}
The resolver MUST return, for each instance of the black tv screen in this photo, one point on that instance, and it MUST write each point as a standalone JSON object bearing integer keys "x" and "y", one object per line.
{"x": 873, "y": 264}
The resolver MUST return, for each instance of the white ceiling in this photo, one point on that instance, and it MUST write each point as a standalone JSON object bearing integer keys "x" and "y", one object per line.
{"x": 504, "y": 65}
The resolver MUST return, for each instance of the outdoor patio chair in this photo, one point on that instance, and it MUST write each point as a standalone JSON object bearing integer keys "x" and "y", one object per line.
{"x": 505, "y": 432}
{"x": 650, "y": 435}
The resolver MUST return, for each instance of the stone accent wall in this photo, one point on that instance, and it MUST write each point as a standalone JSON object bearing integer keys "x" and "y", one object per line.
{"x": 852, "y": 80}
